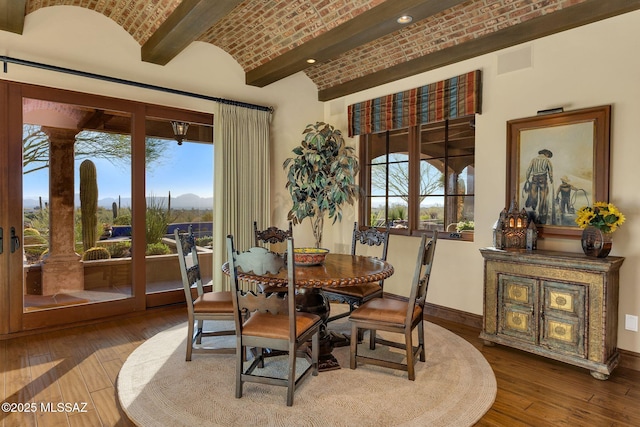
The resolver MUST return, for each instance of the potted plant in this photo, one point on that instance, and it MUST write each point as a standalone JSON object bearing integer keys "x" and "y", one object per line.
{"x": 321, "y": 177}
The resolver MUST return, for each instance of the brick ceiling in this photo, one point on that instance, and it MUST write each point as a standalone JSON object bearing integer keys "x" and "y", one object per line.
{"x": 357, "y": 43}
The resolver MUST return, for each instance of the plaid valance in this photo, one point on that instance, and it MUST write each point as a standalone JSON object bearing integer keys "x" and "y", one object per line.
{"x": 447, "y": 99}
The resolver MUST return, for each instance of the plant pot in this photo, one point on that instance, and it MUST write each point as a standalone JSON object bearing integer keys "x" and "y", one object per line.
{"x": 309, "y": 256}
{"x": 595, "y": 243}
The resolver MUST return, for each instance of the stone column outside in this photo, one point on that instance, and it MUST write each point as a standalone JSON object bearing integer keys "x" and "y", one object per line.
{"x": 62, "y": 270}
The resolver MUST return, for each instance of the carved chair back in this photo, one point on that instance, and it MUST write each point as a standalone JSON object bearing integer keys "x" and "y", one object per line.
{"x": 420, "y": 283}
{"x": 189, "y": 264}
{"x": 271, "y": 234}
{"x": 370, "y": 236}
{"x": 261, "y": 261}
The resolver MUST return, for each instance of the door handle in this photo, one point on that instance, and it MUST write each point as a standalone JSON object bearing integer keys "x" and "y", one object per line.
{"x": 1, "y": 240}
{"x": 15, "y": 240}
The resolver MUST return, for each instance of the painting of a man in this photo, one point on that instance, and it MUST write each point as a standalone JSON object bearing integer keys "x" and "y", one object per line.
{"x": 541, "y": 150}
{"x": 539, "y": 176}
{"x": 563, "y": 196}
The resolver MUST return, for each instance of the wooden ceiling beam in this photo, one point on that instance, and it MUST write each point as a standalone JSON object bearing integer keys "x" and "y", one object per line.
{"x": 12, "y": 14}
{"x": 581, "y": 14}
{"x": 364, "y": 28}
{"x": 187, "y": 22}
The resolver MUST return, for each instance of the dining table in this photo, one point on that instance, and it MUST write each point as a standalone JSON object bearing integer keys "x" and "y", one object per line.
{"x": 337, "y": 270}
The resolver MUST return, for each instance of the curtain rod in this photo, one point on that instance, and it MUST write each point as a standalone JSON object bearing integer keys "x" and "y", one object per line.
{"x": 7, "y": 59}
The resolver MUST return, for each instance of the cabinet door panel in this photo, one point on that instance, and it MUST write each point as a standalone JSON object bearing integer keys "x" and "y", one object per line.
{"x": 564, "y": 298}
{"x": 563, "y": 319}
{"x": 517, "y": 323}
{"x": 516, "y": 290}
{"x": 517, "y": 297}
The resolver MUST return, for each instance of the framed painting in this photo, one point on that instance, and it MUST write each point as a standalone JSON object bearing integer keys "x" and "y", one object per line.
{"x": 556, "y": 164}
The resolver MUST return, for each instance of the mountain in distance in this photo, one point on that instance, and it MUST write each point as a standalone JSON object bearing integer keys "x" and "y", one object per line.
{"x": 184, "y": 201}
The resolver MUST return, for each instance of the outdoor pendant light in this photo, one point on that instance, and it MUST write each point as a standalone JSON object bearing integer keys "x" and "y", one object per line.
{"x": 180, "y": 130}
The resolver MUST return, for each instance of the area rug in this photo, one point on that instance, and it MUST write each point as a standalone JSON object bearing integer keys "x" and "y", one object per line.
{"x": 454, "y": 387}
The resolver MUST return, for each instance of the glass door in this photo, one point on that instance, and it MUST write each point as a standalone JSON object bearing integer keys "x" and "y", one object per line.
{"x": 74, "y": 215}
{"x": 69, "y": 160}
{"x": 76, "y": 183}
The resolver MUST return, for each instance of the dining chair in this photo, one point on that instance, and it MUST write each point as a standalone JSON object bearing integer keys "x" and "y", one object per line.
{"x": 268, "y": 321}
{"x": 357, "y": 295}
{"x": 201, "y": 305}
{"x": 393, "y": 315}
{"x": 272, "y": 235}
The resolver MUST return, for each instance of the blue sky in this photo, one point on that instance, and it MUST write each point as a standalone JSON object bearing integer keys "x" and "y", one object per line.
{"x": 183, "y": 169}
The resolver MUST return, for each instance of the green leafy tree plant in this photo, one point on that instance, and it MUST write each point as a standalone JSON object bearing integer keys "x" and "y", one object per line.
{"x": 321, "y": 177}
{"x": 89, "y": 144}
{"x": 157, "y": 220}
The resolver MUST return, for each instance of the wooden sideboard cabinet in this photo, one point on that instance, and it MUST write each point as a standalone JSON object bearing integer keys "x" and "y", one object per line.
{"x": 555, "y": 304}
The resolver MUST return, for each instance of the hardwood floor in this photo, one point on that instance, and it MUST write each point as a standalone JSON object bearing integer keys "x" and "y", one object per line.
{"x": 80, "y": 365}
{"x": 535, "y": 391}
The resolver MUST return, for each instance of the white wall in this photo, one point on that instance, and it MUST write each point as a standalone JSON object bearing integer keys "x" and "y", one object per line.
{"x": 585, "y": 67}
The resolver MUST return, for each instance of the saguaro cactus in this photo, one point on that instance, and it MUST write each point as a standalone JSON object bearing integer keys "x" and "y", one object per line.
{"x": 114, "y": 209}
{"x": 88, "y": 203}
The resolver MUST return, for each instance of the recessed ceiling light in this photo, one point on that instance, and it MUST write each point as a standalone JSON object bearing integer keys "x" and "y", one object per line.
{"x": 311, "y": 61}
{"x": 404, "y": 19}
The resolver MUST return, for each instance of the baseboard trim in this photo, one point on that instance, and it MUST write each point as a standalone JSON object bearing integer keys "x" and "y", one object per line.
{"x": 629, "y": 359}
{"x": 446, "y": 313}
{"x": 453, "y": 315}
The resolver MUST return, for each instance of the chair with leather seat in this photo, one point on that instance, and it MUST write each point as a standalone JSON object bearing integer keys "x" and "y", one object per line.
{"x": 269, "y": 321}
{"x": 393, "y": 315}
{"x": 359, "y": 294}
{"x": 201, "y": 306}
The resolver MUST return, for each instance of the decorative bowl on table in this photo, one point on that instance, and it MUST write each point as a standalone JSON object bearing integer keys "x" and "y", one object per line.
{"x": 309, "y": 256}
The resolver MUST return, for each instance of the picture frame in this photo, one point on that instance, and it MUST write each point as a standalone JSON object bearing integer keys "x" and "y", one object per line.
{"x": 575, "y": 146}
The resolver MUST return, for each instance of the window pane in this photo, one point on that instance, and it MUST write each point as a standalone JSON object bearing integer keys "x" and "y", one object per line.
{"x": 460, "y": 179}
{"x": 178, "y": 201}
{"x": 460, "y": 209}
{"x": 378, "y": 180}
{"x": 431, "y": 213}
{"x": 431, "y": 178}
{"x": 399, "y": 141}
{"x": 399, "y": 212}
{"x": 461, "y": 138}
{"x": 376, "y": 148}
{"x": 398, "y": 180}
{"x": 378, "y": 209}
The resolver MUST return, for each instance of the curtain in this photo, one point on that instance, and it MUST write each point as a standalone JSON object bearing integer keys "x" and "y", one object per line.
{"x": 447, "y": 99}
{"x": 241, "y": 179}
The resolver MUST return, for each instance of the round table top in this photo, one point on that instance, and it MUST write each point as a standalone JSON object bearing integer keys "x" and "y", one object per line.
{"x": 338, "y": 270}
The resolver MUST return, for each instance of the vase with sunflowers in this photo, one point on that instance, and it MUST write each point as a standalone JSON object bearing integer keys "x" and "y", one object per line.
{"x": 598, "y": 223}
